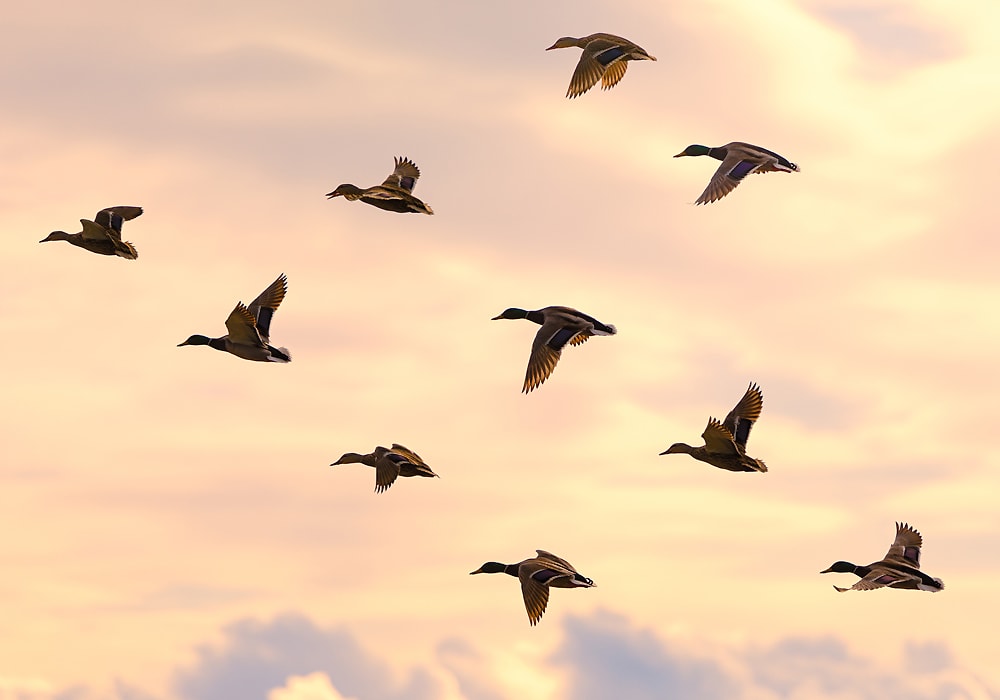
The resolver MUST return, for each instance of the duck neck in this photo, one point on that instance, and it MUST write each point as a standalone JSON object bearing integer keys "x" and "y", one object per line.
{"x": 535, "y": 316}
{"x": 718, "y": 153}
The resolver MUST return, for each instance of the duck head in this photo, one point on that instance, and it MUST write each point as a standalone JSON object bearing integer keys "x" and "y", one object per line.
{"x": 56, "y": 236}
{"x": 678, "y": 448}
{"x": 490, "y": 567}
{"x": 564, "y": 43}
{"x": 346, "y": 190}
{"x": 511, "y": 313}
{"x": 349, "y": 458}
{"x": 694, "y": 150}
{"x": 840, "y": 567}
{"x": 196, "y": 340}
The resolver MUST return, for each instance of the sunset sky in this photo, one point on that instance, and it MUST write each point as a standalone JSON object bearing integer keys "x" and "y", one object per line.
{"x": 171, "y": 527}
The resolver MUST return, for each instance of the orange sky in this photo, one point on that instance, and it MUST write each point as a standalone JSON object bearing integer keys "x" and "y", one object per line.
{"x": 172, "y": 529}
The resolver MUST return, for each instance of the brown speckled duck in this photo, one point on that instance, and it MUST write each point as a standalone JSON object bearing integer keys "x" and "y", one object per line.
{"x": 395, "y": 194}
{"x": 726, "y": 443}
{"x": 605, "y": 57}
{"x": 389, "y": 464}
{"x": 103, "y": 235}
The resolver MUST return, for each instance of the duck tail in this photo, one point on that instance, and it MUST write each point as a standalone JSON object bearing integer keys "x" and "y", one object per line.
{"x": 279, "y": 355}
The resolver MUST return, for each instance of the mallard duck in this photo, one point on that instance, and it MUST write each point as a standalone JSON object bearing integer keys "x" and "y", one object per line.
{"x": 389, "y": 464}
{"x": 537, "y": 575}
{"x": 559, "y": 325}
{"x": 900, "y": 568}
{"x": 726, "y": 443}
{"x": 738, "y": 159}
{"x": 103, "y": 235}
{"x": 605, "y": 57}
{"x": 392, "y": 195}
{"x": 249, "y": 328}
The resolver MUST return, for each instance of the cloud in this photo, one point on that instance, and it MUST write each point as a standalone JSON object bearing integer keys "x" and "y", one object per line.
{"x": 315, "y": 686}
{"x": 257, "y": 657}
{"x": 605, "y": 655}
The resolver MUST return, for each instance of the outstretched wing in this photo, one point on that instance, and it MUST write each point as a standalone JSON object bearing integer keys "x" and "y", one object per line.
{"x": 263, "y": 307}
{"x": 876, "y": 578}
{"x": 741, "y": 419}
{"x": 613, "y": 74}
{"x": 409, "y": 454}
{"x": 906, "y": 547}
{"x": 718, "y": 439}
{"x": 111, "y": 218}
{"x": 242, "y": 327}
{"x": 735, "y": 166}
{"x": 404, "y": 176}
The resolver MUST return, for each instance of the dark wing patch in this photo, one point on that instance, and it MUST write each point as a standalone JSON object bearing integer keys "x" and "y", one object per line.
{"x": 740, "y": 420}
{"x": 609, "y": 55}
{"x": 742, "y": 169}
{"x": 562, "y": 336}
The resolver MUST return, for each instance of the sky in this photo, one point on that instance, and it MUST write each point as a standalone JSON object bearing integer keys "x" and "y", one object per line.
{"x": 172, "y": 529}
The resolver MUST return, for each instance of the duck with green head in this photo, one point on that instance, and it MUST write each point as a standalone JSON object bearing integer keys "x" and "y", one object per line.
{"x": 559, "y": 325}
{"x": 900, "y": 568}
{"x": 537, "y": 575}
{"x": 738, "y": 160}
{"x": 389, "y": 464}
{"x": 249, "y": 328}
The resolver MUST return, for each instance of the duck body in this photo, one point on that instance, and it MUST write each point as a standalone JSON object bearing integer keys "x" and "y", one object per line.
{"x": 389, "y": 463}
{"x": 249, "y": 328}
{"x": 725, "y": 442}
{"x": 394, "y": 194}
{"x": 103, "y": 235}
{"x": 537, "y": 575}
{"x": 559, "y": 325}
{"x": 738, "y": 160}
{"x": 900, "y": 568}
{"x": 605, "y": 58}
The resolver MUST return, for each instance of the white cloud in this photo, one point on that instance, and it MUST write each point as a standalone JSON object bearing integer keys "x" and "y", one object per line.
{"x": 315, "y": 686}
{"x": 605, "y": 655}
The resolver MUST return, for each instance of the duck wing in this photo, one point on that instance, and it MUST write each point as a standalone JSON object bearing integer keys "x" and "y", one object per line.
{"x": 740, "y": 420}
{"x": 735, "y": 166}
{"x": 551, "y": 558}
{"x": 93, "y": 231}
{"x": 906, "y": 547}
{"x": 387, "y": 470}
{"x": 613, "y": 74}
{"x": 533, "y": 574}
{"x": 877, "y": 578}
{"x": 597, "y": 55}
{"x": 242, "y": 327}
{"x": 718, "y": 439}
{"x": 405, "y": 175}
{"x": 546, "y": 349}
{"x": 408, "y": 454}
{"x": 112, "y": 218}
{"x": 263, "y": 307}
